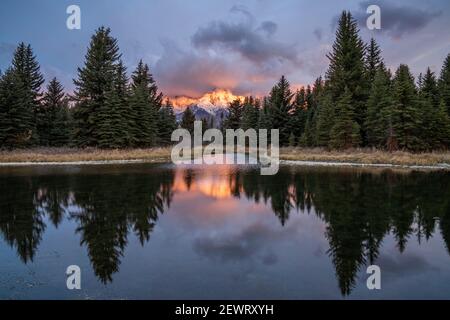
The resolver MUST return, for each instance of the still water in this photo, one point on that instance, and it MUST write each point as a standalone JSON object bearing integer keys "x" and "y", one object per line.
{"x": 145, "y": 231}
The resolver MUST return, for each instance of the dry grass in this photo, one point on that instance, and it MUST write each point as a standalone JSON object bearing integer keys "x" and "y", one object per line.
{"x": 366, "y": 156}
{"x": 90, "y": 154}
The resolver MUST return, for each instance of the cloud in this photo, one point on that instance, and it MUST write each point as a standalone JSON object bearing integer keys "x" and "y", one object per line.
{"x": 397, "y": 21}
{"x": 254, "y": 44}
{"x": 248, "y": 243}
{"x": 190, "y": 73}
{"x": 318, "y": 33}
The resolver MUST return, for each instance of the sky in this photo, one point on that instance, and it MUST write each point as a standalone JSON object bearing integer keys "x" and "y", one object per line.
{"x": 195, "y": 47}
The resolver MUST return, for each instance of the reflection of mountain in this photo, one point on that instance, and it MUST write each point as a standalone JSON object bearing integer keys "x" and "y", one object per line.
{"x": 360, "y": 208}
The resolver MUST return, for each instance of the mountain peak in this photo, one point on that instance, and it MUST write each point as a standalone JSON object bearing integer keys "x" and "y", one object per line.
{"x": 210, "y": 101}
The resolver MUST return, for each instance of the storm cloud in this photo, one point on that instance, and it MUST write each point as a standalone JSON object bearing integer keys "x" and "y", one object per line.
{"x": 254, "y": 44}
{"x": 397, "y": 21}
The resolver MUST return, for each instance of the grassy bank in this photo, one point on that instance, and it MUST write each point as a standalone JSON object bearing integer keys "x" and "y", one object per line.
{"x": 366, "y": 156}
{"x": 163, "y": 154}
{"x": 90, "y": 154}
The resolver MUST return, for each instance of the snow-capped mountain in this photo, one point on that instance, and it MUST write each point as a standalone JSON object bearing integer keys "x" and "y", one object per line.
{"x": 218, "y": 114}
{"x": 211, "y": 105}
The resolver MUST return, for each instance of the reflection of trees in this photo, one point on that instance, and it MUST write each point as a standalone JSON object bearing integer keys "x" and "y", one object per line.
{"x": 105, "y": 207}
{"x": 360, "y": 208}
{"x": 21, "y": 223}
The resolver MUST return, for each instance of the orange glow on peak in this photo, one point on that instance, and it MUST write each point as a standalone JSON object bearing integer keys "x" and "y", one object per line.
{"x": 216, "y": 98}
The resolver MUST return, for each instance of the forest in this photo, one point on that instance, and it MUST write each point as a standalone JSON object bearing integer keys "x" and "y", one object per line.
{"x": 358, "y": 103}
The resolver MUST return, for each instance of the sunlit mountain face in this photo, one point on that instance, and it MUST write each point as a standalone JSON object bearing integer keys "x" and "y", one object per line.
{"x": 219, "y": 98}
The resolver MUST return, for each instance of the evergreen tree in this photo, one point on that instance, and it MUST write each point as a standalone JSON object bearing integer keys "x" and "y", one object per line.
{"x": 379, "y": 100}
{"x": 347, "y": 67}
{"x": 444, "y": 84}
{"x": 299, "y": 115}
{"x": 264, "y": 117}
{"x": 325, "y": 121}
{"x": 373, "y": 59}
{"x": 233, "y": 121}
{"x": 145, "y": 105}
{"x": 15, "y": 114}
{"x": 345, "y": 133}
{"x": 95, "y": 79}
{"x": 404, "y": 113}
{"x": 250, "y": 112}
{"x": 21, "y": 96}
{"x": 187, "y": 122}
{"x": 434, "y": 122}
{"x": 168, "y": 123}
{"x": 53, "y": 116}
{"x": 281, "y": 107}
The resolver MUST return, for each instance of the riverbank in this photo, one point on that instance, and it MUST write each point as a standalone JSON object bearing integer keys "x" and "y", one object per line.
{"x": 301, "y": 156}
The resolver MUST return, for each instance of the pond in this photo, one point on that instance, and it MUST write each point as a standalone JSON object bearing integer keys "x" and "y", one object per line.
{"x": 159, "y": 231}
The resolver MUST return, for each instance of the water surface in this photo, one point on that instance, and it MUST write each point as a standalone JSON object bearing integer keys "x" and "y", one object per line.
{"x": 141, "y": 231}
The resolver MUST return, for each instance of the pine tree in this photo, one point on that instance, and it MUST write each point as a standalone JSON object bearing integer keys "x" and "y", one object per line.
{"x": 168, "y": 123}
{"x": 187, "y": 122}
{"x": 264, "y": 117}
{"x": 114, "y": 115}
{"x": 374, "y": 61}
{"x": 444, "y": 84}
{"x": 24, "y": 81}
{"x": 299, "y": 115}
{"x": 347, "y": 67}
{"x": 379, "y": 99}
{"x": 94, "y": 80}
{"x": 234, "y": 118}
{"x": 250, "y": 112}
{"x": 404, "y": 112}
{"x": 434, "y": 122}
{"x": 15, "y": 113}
{"x": 52, "y": 116}
{"x": 309, "y": 137}
{"x": 345, "y": 133}
{"x": 325, "y": 121}
{"x": 281, "y": 107}
{"x": 145, "y": 104}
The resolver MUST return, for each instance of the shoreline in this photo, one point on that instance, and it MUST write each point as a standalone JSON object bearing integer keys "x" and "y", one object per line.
{"x": 288, "y": 156}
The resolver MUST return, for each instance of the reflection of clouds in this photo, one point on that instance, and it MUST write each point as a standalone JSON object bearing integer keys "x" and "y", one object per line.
{"x": 394, "y": 266}
{"x": 243, "y": 245}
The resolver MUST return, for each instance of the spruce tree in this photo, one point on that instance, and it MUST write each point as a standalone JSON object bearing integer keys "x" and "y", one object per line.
{"x": 187, "y": 121}
{"x": 95, "y": 79}
{"x": 434, "y": 122}
{"x": 379, "y": 99}
{"x": 299, "y": 115}
{"x": 26, "y": 80}
{"x": 325, "y": 121}
{"x": 168, "y": 123}
{"x": 145, "y": 103}
{"x": 15, "y": 114}
{"x": 404, "y": 113}
{"x": 250, "y": 112}
{"x": 347, "y": 67}
{"x": 373, "y": 59}
{"x": 444, "y": 84}
{"x": 281, "y": 107}
{"x": 345, "y": 132}
{"x": 234, "y": 118}
{"x": 52, "y": 116}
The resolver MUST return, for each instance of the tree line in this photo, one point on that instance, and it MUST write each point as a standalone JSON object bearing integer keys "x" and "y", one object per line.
{"x": 358, "y": 103}
{"x": 106, "y": 110}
